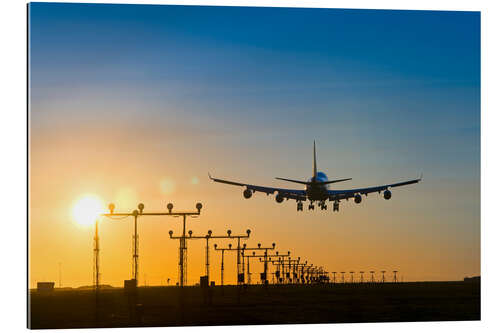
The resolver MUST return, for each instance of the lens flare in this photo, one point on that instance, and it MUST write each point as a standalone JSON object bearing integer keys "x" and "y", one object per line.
{"x": 87, "y": 209}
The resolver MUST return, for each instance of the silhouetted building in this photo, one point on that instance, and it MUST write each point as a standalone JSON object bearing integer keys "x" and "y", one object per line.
{"x": 45, "y": 286}
{"x": 130, "y": 284}
{"x": 475, "y": 279}
{"x": 204, "y": 281}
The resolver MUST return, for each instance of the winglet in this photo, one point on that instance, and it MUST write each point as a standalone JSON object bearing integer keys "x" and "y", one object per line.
{"x": 421, "y": 176}
{"x": 210, "y": 176}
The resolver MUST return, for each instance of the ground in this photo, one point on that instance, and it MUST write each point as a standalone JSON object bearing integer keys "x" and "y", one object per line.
{"x": 277, "y": 304}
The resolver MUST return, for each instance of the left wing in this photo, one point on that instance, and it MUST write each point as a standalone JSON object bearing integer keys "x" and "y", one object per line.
{"x": 284, "y": 192}
{"x": 346, "y": 194}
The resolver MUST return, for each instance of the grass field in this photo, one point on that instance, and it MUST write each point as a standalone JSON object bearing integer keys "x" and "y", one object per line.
{"x": 334, "y": 303}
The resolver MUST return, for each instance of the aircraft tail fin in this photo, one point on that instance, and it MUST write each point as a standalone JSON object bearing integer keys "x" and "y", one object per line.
{"x": 315, "y": 169}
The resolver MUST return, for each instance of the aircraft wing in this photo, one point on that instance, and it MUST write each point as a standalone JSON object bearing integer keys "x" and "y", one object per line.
{"x": 284, "y": 192}
{"x": 346, "y": 194}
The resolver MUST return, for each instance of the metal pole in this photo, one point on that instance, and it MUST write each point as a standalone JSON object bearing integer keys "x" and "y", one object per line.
{"x": 222, "y": 270}
{"x": 238, "y": 262}
{"x": 60, "y": 284}
{"x": 265, "y": 266}
{"x": 96, "y": 256}
{"x": 283, "y": 270}
{"x": 248, "y": 271}
{"x": 243, "y": 264}
{"x": 207, "y": 262}
{"x": 182, "y": 254}
{"x": 96, "y": 271}
{"x": 136, "y": 253}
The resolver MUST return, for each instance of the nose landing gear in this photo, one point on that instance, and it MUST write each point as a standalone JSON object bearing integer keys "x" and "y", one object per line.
{"x": 336, "y": 206}
{"x": 300, "y": 206}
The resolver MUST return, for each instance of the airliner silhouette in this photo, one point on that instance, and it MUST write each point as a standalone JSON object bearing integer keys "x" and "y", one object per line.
{"x": 317, "y": 188}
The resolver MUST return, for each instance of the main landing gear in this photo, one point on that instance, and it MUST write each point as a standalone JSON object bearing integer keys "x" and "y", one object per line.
{"x": 336, "y": 206}
{"x": 322, "y": 205}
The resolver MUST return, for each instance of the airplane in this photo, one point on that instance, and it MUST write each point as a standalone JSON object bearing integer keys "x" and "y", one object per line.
{"x": 317, "y": 188}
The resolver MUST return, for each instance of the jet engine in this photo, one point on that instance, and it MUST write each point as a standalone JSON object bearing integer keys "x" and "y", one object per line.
{"x": 279, "y": 198}
{"x": 387, "y": 194}
{"x": 247, "y": 194}
{"x": 357, "y": 198}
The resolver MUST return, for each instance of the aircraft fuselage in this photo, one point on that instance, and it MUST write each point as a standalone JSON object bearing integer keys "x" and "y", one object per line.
{"x": 317, "y": 192}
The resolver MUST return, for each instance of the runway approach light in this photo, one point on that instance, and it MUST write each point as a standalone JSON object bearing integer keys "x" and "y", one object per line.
{"x": 111, "y": 208}
{"x": 199, "y": 206}
{"x": 141, "y": 207}
{"x": 248, "y": 232}
{"x": 229, "y": 232}
{"x": 170, "y": 206}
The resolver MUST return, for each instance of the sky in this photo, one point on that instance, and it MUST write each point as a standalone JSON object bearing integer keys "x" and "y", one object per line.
{"x": 137, "y": 103}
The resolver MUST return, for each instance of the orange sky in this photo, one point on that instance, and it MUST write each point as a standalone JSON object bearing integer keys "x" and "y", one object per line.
{"x": 405, "y": 233}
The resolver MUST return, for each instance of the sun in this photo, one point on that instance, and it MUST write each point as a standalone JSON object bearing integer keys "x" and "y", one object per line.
{"x": 87, "y": 209}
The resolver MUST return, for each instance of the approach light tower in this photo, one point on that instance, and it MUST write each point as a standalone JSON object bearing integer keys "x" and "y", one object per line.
{"x": 290, "y": 274}
{"x": 258, "y": 248}
{"x": 301, "y": 267}
{"x": 383, "y": 276}
{"x": 372, "y": 279}
{"x": 277, "y": 263}
{"x": 140, "y": 212}
{"x": 191, "y": 237}
{"x": 395, "y": 276}
{"x": 229, "y": 248}
{"x": 266, "y": 259}
{"x": 238, "y": 253}
{"x": 207, "y": 238}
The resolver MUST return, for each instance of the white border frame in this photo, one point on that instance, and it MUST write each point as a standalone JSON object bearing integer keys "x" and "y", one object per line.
{"x": 14, "y": 158}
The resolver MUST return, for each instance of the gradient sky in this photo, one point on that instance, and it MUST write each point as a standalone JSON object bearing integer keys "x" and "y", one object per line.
{"x": 137, "y": 103}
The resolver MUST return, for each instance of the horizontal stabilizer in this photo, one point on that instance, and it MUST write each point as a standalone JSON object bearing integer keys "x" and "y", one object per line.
{"x": 317, "y": 183}
{"x": 334, "y": 181}
{"x": 294, "y": 181}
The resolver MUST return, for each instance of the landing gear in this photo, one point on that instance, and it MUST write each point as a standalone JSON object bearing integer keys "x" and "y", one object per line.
{"x": 322, "y": 205}
{"x": 300, "y": 206}
{"x": 336, "y": 206}
{"x": 311, "y": 206}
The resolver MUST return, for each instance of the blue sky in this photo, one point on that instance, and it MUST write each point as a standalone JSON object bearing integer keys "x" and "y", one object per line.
{"x": 243, "y": 92}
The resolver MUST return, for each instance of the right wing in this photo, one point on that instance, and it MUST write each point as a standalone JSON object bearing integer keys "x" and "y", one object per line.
{"x": 284, "y": 192}
{"x": 346, "y": 194}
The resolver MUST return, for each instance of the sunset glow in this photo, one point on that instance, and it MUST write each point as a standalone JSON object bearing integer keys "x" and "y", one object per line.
{"x": 87, "y": 209}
